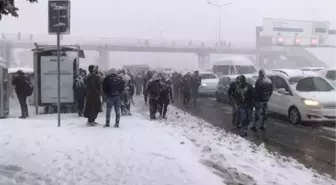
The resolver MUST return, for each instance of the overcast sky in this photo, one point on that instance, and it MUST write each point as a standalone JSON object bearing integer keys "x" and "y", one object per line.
{"x": 169, "y": 19}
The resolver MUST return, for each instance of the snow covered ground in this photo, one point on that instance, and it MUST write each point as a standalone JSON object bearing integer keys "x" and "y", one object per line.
{"x": 35, "y": 151}
{"x": 182, "y": 150}
{"x": 237, "y": 160}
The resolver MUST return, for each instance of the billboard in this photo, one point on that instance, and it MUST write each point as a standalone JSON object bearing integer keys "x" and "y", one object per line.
{"x": 48, "y": 79}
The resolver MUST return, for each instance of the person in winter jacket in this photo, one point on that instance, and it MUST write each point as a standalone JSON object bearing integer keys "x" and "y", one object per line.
{"x": 186, "y": 89}
{"x": 232, "y": 98}
{"x": 131, "y": 84}
{"x": 166, "y": 96}
{"x": 79, "y": 88}
{"x": 146, "y": 79}
{"x": 126, "y": 94}
{"x": 93, "y": 94}
{"x": 244, "y": 99}
{"x": 195, "y": 82}
{"x": 138, "y": 83}
{"x": 263, "y": 91}
{"x": 113, "y": 87}
{"x": 23, "y": 87}
{"x": 154, "y": 87}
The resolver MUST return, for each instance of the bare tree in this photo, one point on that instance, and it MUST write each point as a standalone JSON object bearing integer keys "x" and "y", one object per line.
{"x": 7, "y": 7}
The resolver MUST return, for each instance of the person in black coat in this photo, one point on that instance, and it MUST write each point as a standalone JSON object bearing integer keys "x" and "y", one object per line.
{"x": 113, "y": 86}
{"x": 146, "y": 79}
{"x": 154, "y": 87}
{"x": 244, "y": 94}
{"x": 93, "y": 103}
{"x": 166, "y": 96}
{"x": 23, "y": 87}
{"x": 232, "y": 97}
{"x": 79, "y": 88}
{"x": 263, "y": 91}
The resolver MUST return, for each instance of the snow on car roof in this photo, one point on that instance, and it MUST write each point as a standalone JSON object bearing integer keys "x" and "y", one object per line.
{"x": 289, "y": 73}
{"x": 24, "y": 69}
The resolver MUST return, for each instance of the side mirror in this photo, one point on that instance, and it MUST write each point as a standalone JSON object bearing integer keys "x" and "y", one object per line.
{"x": 283, "y": 91}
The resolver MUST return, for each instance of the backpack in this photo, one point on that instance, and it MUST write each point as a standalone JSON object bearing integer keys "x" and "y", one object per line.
{"x": 29, "y": 88}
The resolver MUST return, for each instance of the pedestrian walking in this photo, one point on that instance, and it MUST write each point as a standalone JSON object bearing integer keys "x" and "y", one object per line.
{"x": 166, "y": 97}
{"x": 93, "y": 103}
{"x": 113, "y": 86}
{"x": 23, "y": 89}
{"x": 154, "y": 87}
{"x": 79, "y": 88}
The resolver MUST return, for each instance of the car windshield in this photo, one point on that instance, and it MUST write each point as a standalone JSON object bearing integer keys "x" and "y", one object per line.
{"x": 294, "y": 80}
{"x": 221, "y": 69}
{"x": 314, "y": 84}
{"x": 331, "y": 75}
{"x": 208, "y": 76}
{"x": 245, "y": 69}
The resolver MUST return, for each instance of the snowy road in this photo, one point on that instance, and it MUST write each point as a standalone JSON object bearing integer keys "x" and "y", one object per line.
{"x": 315, "y": 147}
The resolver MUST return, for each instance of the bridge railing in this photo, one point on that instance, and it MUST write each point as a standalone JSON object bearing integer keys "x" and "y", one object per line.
{"x": 141, "y": 42}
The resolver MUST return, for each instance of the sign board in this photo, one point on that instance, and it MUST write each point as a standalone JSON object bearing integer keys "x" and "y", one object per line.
{"x": 59, "y": 17}
{"x": 294, "y": 30}
{"x": 321, "y": 30}
{"x": 48, "y": 79}
{"x": 288, "y": 30}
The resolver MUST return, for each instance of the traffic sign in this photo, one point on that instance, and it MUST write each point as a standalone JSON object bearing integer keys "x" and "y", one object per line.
{"x": 59, "y": 17}
{"x": 295, "y": 32}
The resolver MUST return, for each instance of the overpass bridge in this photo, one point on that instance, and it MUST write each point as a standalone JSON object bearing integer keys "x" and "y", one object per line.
{"x": 103, "y": 46}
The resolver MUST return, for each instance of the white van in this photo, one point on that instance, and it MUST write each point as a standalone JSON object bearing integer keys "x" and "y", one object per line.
{"x": 233, "y": 65}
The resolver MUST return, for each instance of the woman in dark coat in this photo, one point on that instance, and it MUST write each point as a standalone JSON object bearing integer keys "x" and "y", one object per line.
{"x": 93, "y": 103}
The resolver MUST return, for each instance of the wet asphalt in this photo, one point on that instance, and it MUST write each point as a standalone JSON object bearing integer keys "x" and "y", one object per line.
{"x": 313, "y": 145}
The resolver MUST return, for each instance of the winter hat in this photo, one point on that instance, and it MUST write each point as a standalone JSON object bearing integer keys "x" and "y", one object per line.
{"x": 91, "y": 68}
{"x": 20, "y": 72}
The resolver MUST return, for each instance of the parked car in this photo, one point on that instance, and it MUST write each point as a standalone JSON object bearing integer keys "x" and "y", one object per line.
{"x": 209, "y": 83}
{"x": 329, "y": 74}
{"x": 302, "y": 97}
{"x": 224, "y": 84}
{"x": 314, "y": 69}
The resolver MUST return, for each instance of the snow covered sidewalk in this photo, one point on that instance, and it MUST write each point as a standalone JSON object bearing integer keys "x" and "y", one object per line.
{"x": 140, "y": 152}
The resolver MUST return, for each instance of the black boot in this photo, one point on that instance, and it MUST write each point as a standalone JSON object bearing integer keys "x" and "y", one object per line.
{"x": 116, "y": 125}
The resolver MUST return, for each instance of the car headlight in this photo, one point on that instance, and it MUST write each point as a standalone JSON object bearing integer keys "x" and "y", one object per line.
{"x": 204, "y": 84}
{"x": 311, "y": 102}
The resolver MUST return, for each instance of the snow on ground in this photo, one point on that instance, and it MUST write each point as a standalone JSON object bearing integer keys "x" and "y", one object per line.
{"x": 237, "y": 160}
{"x": 182, "y": 150}
{"x": 35, "y": 152}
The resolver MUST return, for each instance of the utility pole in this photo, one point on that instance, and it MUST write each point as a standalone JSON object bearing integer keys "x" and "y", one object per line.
{"x": 59, "y": 23}
{"x": 219, "y": 7}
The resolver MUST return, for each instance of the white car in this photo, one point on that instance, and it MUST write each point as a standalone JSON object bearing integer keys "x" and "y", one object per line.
{"x": 302, "y": 97}
{"x": 329, "y": 74}
{"x": 209, "y": 83}
{"x": 314, "y": 69}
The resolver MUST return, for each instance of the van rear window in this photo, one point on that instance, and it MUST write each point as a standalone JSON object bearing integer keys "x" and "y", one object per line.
{"x": 245, "y": 69}
{"x": 221, "y": 69}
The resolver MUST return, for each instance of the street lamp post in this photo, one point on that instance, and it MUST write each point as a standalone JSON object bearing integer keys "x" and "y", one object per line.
{"x": 219, "y": 7}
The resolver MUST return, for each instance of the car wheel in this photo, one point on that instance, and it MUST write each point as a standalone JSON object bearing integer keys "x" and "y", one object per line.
{"x": 294, "y": 115}
{"x": 217, "y": 98}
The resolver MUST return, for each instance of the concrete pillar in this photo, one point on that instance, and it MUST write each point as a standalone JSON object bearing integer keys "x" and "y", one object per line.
{"x": 7, "y": 53}
{"x": 203, "y": 61}
{"x": 104, "y": 58}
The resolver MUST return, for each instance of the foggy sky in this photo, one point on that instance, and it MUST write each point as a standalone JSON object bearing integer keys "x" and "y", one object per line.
{"x": 169, "y": 19}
